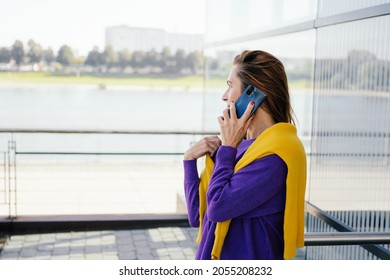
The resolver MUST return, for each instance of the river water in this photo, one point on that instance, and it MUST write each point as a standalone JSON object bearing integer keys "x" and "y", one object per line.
{"x": 116, "y": 109}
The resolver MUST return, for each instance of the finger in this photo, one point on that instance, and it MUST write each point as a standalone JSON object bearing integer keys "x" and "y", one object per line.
{"x": 208, "y": 148}
{"x": 226, "y": 114}
{"x": 233, "y": 113}
{"x": 248, "y": 123}
{"x": 214, "y": 145}
{"x": 248, "y": 110}
{"x": 214, "y": 138}
{"x": 217, "y": 141}
{"x": 211, "y": 145}
{"x": 221, "y": 120}
{"x": 212, "y": 150}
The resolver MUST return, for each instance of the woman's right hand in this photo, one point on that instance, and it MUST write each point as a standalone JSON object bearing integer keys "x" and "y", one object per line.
{"x": 206, "y": 145}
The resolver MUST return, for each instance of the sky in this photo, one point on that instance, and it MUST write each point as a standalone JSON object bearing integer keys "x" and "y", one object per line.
{"x": 81, "y": 23}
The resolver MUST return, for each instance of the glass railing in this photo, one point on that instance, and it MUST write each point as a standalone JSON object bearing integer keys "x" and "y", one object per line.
{"x": 68, "y": 172}
{"x": 94, "y": 180}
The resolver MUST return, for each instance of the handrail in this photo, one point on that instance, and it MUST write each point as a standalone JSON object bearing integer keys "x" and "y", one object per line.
{"x": 99, "y": 154}
{"x": 346, "y": 238}
{"x": 353, "y": 134}
{"x": 370, "y": 241}
{"x": 89, "y": 131}
{"x": 374, "y": 249}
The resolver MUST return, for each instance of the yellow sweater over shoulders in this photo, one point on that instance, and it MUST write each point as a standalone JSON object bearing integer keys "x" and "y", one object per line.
{"x": 280, "y": 139}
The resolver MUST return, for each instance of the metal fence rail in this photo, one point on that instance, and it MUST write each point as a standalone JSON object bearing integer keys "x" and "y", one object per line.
{"x": 346, "y": 238}
{"x": 130, "y": 132}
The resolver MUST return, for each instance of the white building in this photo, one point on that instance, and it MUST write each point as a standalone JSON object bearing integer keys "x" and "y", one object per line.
{"x": 136, "y": 38}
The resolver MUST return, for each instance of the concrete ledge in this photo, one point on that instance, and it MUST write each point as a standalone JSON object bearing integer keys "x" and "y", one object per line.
{"x": 28, "y": 224}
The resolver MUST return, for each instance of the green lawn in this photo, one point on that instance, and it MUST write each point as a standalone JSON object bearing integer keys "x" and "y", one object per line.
{"x": 49, "y": 78}
{"x": 105, "y": 80}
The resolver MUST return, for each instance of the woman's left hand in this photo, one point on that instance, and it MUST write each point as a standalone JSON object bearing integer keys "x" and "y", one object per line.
{"x": 232, "y": 129}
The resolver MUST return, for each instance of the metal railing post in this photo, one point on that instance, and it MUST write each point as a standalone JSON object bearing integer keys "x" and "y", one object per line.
{"x": 4, "y": 174}
{"x": 12, "y": 190}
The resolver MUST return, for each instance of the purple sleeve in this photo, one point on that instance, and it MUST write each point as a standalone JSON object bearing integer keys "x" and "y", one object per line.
{"x": 191, "y": 191}
{"x": 232, "y": 194}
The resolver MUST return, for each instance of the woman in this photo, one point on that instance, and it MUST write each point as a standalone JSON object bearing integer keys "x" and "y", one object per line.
{"x": 249, "y": 200}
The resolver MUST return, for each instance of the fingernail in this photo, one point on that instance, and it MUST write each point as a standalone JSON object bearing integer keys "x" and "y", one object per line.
{"x": 252, "y": 102}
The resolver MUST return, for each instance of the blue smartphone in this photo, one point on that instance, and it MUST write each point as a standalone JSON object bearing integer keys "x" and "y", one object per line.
{"x": 251, "y": 93}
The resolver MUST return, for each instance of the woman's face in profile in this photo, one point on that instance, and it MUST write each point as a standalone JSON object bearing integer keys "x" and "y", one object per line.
{"x": 234, "y": 86}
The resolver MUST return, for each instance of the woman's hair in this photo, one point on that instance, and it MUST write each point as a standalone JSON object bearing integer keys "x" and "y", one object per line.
{"x": 266, "y": 72}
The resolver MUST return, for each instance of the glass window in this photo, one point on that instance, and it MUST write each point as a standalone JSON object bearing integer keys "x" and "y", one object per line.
{"x": 351, "y": 116}
{"x": 235, "y": 18}
{"x": 334, "y": 7}
{"x": 296, "y": 51}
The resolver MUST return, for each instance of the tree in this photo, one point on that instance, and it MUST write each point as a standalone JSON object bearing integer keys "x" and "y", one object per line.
{"x": 109, "y": 57}
{"x": 65, "y": 55}
{"x": 48, "y": 55}
{"x": 194, "y": 61}
{"x": 35, "y": 52}
{"x": 152, "y": 58}
{"x": 372, "y": 75}
{"x": 78, "y": 60}
{"x": 124, "y": 59}
{"x": 138, "y": 59}
{"x": 166, "y": 59}
{"x": 180, "y": 59}
{"x": 5, "y": 55}
{"x": 17, "y": 52}
{"x": 212, "y": 63}
{"x": 94, "y": 58}
{"x": 355, "y": 59}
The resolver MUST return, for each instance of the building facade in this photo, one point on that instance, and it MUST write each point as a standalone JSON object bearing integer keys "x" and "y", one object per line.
{"x": 135, "y": 39}
{"x": 336, "y": 54}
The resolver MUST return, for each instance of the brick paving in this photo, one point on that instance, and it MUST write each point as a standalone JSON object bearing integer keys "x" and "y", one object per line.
{"x": 165, "y": 243}
{"x": 172, "y": 243}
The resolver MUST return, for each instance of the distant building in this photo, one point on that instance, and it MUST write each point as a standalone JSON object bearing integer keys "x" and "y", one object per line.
{"x": 136, "y": 38}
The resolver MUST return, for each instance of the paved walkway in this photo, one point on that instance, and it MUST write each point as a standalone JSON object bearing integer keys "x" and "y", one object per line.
{"x": 165, "y": 243}
{"x": 173, "y": 243}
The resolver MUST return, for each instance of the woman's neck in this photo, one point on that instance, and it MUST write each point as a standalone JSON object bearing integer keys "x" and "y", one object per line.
{"x": 261, "y": 121}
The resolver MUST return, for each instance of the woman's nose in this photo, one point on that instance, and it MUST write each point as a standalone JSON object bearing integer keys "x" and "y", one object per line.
{"x": 224, "y": 96}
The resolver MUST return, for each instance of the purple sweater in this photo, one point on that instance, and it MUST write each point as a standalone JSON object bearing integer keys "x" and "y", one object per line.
{"x": 253, "y": 198}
